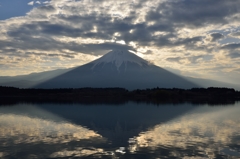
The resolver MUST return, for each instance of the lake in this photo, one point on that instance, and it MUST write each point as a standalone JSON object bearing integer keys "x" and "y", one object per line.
{"x": 130, "y": 130}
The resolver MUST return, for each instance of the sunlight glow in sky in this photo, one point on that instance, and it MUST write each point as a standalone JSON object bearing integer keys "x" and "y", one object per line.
{"x": 198, "y": 38}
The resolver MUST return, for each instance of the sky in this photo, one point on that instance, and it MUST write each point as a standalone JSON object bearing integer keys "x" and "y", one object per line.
{"x": 196, "y": 38}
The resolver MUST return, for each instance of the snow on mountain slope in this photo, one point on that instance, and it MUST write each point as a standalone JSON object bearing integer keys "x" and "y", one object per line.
{"x": 119, "y": 57}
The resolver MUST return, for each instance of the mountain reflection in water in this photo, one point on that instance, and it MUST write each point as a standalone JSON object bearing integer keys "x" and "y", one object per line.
{"x": 127, "y": 131}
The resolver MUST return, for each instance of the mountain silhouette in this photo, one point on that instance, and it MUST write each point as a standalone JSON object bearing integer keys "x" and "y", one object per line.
{"x": 118, "y": 68}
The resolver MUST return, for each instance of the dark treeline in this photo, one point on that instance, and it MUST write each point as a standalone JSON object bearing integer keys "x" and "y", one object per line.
{"x": 209, "y": 95}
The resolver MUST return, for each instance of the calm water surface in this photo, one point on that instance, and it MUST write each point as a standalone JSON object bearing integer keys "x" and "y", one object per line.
{"x": 129, "y": 130}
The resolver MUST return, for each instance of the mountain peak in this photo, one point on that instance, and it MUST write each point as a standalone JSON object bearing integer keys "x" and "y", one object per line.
{"x": 118, "y": 57}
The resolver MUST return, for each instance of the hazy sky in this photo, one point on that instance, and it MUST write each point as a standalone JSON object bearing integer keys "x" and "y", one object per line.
{"x": 198, "y": 38}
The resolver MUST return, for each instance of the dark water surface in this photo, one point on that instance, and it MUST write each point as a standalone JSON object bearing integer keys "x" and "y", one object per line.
{"x": 129, "y": 130}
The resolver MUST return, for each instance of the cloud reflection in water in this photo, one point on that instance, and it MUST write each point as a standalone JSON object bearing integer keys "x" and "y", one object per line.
{"x": 205, "y": 130}
{"x": 29, "y": 130}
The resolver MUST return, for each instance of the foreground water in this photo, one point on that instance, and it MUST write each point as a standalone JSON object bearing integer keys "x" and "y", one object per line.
{"x": 128, "y": 130}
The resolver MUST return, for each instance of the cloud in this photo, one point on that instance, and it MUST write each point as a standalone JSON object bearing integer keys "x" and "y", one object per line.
{"x": 194, "y": 13}
{"x": 216, "y": 36}
{"x": 141, "y": 33}
{"x": 234, "y": 55}
{"x": 235, "y": 34}
{"x": 169, "y": 29}
{"x": 45, "y": 2}
{"x": 195, "y": 59}
{"x": 231, "y": 46}
{"x": 31, "y": 3}
{"x": 175, "y": 59}
{"x": 47, "y": 8}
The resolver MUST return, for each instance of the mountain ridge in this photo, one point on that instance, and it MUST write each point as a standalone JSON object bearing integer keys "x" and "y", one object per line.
{"x": 118, "y": 68}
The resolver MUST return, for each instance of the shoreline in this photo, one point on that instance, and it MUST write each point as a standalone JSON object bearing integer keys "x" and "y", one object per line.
{"x": 211, "y": 95}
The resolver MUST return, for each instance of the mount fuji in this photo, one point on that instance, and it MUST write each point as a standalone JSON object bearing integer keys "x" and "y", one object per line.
{"x": 118, "y": 68}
